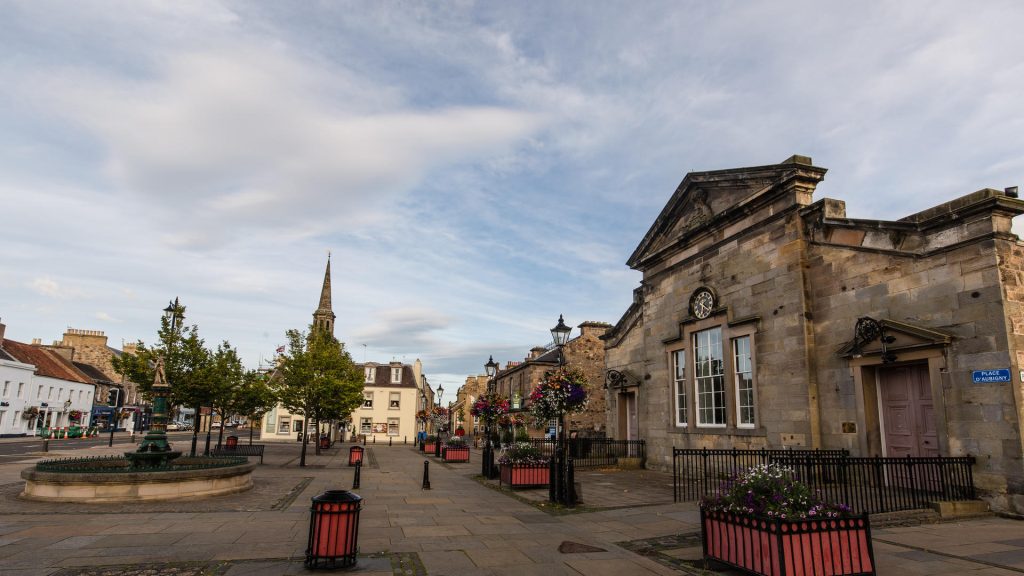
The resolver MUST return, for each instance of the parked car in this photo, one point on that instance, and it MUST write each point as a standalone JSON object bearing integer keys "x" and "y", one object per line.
{"x": 215, "y": 426}
{"x": 173, "y": 426}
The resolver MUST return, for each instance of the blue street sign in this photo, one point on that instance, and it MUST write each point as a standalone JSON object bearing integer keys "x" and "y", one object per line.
{"x": 986, "y": 376}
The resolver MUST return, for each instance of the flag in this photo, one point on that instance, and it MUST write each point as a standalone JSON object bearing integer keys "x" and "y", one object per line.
{"x": 280, "y": 349}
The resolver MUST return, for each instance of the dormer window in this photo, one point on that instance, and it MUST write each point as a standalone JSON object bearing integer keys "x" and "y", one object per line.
{"x": 371, "y": 374}
{"x": 396, "y": 375}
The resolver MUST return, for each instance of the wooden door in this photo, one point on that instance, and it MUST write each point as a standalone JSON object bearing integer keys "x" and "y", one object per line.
{"x": 628, "y": 420}
{"x": 908, "y": 411}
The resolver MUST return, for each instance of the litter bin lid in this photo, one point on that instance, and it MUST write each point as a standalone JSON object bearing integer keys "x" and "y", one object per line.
{"x": 337, "y": 496}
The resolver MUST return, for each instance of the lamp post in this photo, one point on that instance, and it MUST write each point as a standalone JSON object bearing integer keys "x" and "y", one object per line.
{"x": 437, "y": 433}
{"x": 560, "y": 488}
{"x": 487, "y": 471}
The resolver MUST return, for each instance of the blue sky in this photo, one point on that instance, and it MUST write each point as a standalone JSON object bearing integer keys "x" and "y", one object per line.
{"x": 475, "y": 168}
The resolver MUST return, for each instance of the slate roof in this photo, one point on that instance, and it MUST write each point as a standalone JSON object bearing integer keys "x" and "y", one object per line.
{"x": 47, "y": 363}
{"x": 94, "y": 373}
{"x": 382, "y": 377}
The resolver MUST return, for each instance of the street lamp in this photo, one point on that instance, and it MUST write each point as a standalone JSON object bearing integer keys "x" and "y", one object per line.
{"x": 561, "y": 488}
{"x": 487, "y": 471}
{"x": 437, "y": 433}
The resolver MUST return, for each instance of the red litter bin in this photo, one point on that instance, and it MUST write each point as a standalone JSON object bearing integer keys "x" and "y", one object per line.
{"x": 333, "y": 530}
{"x": 355, "y": 455}
{"x": 325, "y": 442}
{"x": 231, "y": 443}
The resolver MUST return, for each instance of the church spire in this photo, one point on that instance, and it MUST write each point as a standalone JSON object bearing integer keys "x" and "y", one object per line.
{"x": 324, "y": 317}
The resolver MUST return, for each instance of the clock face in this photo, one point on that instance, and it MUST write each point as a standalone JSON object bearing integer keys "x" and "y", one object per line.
{"x": 703, "y": 303}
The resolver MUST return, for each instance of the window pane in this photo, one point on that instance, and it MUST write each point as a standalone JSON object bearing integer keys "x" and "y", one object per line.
{"x": 744, "y": 382}
{"x": 679, "y": 359}
{"x": 709, "y": 377}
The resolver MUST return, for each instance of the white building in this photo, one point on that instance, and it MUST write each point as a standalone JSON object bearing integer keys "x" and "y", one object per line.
{"x": 43, "y": 383}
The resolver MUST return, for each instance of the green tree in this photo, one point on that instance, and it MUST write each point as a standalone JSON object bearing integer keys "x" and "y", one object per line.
{"x": 254, "y": 398}
{"x": 221, "y": 378}
{"x": 318, "y": 379}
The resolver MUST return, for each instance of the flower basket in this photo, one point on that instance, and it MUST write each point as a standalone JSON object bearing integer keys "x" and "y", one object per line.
{"x": 562, "y": 391}
{"x": 30, "y": 413}
{"x": 489, "y": 407}
{"x": 766, "y": 522}
{"x": 75, "y": 415}
{"x": 775, "y": 547}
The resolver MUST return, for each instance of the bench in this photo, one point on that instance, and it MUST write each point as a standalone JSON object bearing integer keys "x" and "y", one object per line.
{"x": 240, "y": 450}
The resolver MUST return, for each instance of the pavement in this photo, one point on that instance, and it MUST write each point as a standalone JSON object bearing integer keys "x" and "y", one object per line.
{"x": 625, "y": 525}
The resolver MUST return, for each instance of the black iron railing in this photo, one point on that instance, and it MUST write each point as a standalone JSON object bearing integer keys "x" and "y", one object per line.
{"x": 121, "y": 465}
{"x": 595, "y": 452}
{"x": 868, "y": 485}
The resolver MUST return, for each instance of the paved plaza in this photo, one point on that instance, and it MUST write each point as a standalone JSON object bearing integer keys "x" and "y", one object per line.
{"x": 626, "y": 525}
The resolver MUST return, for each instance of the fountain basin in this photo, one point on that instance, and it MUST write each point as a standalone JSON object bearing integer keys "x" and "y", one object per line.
{"x": 87, "y": 482}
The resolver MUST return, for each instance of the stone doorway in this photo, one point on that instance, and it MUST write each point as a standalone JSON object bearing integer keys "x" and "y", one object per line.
{"x": 629, "y": 421}
{"x": 908, "y": 412}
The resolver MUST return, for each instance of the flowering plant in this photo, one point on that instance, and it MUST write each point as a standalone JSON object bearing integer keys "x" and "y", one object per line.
{"x": 421, "y": 416}
{"x": 489, "y": 407}
{"x": 561, "y": 392}
{"x": 30, "y": 413}
{"x": 441, "y": 417}
{"x": 456, "y": 441}
{"x": 522, "y": 454}
{"x": 75, "y": 415}
{"x": 512, "y": 420}
{"x": 770, "y": 490}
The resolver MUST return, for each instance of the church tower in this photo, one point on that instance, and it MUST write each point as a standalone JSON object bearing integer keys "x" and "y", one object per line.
{"x": 323, "y": 318}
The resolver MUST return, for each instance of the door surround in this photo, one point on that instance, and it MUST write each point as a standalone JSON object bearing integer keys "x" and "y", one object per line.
{"x": 869, "y": 412}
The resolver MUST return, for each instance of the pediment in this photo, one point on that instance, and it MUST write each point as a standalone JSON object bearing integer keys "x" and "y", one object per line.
{"x": 706, "y": 201}
{"x": 892, "y": 336}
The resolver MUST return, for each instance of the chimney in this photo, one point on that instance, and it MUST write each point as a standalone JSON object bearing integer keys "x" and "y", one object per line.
{"x": 536, "y": 351}
{"x": 37, "y": 341}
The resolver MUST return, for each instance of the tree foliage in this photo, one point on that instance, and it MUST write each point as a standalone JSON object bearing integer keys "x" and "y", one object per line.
{"x": 185, "y": 358}
{"x": 318, "y": 379}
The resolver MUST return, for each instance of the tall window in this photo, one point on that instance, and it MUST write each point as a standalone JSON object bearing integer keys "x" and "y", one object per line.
{"x": 395, "y": 400}
{"x": 679, "y": 359}
{"x": 367, "y": 399}
{"x": 744, "y": 383}
{"x": 396, "y": 375}
{"x": 20, "y": 386}
{"x": 7, "y": 387}
{"x": 392, "y": 426}
{"x": 365, "y": 425}
{"x": 371, "y": 374}
{"x": 709, "y": 377}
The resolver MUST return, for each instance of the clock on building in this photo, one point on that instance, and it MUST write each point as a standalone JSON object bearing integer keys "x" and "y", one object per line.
{"x": 702, "y": 303}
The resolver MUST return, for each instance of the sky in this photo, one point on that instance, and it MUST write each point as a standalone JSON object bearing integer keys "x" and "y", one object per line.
{"x": 474, "y": 169}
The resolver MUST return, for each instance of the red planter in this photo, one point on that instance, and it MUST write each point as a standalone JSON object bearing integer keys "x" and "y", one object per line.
{"x": 455, "y": 453}
{"x": 430, "y": 447}
{"x": 775, "y": 547}
{"x": 517, "y": 476}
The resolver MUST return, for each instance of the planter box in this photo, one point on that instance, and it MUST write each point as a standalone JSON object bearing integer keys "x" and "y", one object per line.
{"x": 429, "y": 447}
{"x": 775, "y": 547}
{"x": 517, "y": 476}
{"x": 456, "y": 454}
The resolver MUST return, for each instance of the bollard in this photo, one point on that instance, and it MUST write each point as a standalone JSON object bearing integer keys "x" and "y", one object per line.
{"x": 405, "y": 440}
{"x": 46, "y": 445}
{"x": 374, "y": 438}
{"x": 389, "y": 440}
{"x": 355, "y": 479}
{"x": 364, "y": 439}
{"x": 426, "y": 474}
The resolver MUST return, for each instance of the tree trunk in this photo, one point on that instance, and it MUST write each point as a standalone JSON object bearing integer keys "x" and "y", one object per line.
{"x": 250, "y": 434}
{"x": 316, "y": 436}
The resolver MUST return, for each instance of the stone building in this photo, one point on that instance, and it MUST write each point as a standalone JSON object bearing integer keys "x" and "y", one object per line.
{"x": 766, "y": 319}
{"x": 585, "y": 351}
{"x": 473, "y": 388}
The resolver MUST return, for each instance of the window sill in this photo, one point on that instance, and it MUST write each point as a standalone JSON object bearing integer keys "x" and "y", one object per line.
{"x": 723, "y": 431}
